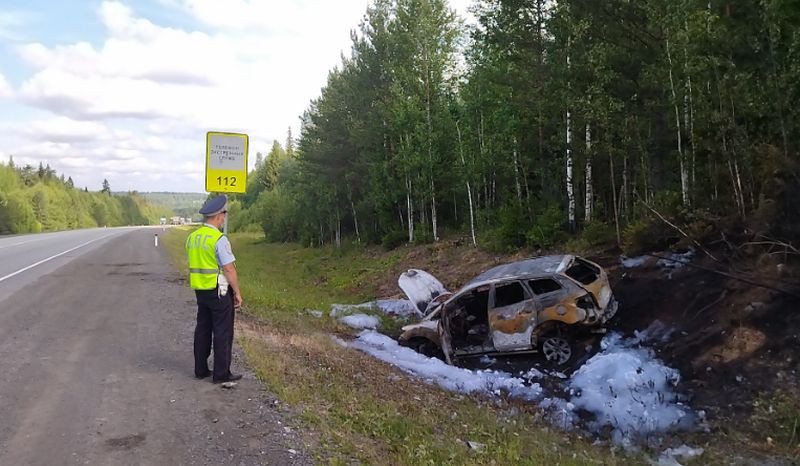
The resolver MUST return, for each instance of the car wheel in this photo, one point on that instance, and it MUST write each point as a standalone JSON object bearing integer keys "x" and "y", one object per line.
{"x": 556, "y": 350}
{"x": 425, "y": 347}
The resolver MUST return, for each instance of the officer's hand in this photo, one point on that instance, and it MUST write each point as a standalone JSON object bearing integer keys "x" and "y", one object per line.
{"x": 237, "y": 300}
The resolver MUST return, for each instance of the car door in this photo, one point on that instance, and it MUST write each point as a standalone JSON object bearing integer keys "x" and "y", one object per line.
{"x": 512, "y": 316}
{"x": 551, "y": 296}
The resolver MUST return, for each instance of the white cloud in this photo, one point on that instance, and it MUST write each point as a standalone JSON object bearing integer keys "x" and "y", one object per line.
{"x": 63, "y": 129}
{"x": 135, "y": 106}
{"x": 5, "y": 88}
{"x": 279, "y": 18}
{"x": 257, "y": 82}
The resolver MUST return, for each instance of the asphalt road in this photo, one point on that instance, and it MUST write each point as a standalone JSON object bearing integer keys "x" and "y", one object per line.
{"x": 96, "y": 362}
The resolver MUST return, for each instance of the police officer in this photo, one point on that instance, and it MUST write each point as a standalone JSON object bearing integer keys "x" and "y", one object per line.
{"x": 212, "y": 275}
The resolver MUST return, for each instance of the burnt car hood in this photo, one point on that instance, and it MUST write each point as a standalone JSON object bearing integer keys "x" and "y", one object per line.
{"x": 421, "y": 288}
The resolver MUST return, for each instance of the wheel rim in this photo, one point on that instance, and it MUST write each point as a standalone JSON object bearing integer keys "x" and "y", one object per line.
{"x": 557, "y": 350}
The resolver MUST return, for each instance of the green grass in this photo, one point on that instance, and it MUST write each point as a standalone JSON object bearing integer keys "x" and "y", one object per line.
{"x": 361, "y": 409}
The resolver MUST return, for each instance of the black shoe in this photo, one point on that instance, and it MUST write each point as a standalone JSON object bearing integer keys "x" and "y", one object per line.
{"x": 202, "y": 376}
{"x": 230, "y": 378}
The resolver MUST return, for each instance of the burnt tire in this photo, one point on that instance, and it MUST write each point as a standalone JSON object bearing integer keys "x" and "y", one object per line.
{"x": 425, "y": 347}
{"x": 557, "y": 351}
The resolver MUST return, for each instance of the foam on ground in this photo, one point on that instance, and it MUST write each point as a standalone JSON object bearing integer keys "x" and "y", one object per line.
{"x": 436, "y": 371}
{"x": 624, "y": 387}
{"x": 360, "y": 321}
{"x": 392, "y": 307}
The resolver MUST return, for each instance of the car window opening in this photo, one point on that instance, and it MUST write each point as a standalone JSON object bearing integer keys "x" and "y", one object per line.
{"x": 583, "y": 271}
{"x": 469, "y": 320}
{"x": 544, "y": 285}
{"x": 509, "y": 294}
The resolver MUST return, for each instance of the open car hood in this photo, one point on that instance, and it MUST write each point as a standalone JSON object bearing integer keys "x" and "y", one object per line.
{"x": 420, "y": 287}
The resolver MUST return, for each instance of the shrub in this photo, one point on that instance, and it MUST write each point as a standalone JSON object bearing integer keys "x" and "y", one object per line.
{"x": 511, "y": 224}
{"x": 645, "y": 235}
{"x": 394, "y": 239}
{"x": 492, "y": 241}
{"x": 598, "y": 233}
{"x": 547, "y": 229}
{"x": 253, "y": 228}
{"x": 594, "y": 235}
{"x": 669, "y": 204}
{"x": 423, "y": 236}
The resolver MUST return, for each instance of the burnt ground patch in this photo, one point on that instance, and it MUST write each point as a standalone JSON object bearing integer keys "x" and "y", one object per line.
{"x": 736, "y": 345}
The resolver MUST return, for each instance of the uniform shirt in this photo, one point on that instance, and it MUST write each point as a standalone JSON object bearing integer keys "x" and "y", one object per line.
{"x": 222, "y": 249}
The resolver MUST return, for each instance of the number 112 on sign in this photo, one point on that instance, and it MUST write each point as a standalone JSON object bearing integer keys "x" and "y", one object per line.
{"x": 226, "y": 181}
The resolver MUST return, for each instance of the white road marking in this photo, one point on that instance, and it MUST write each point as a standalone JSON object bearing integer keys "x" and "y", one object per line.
{"x": 52, "y": 257}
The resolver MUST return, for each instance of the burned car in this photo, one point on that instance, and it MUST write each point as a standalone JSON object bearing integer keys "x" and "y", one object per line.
{"x": 535, "y": 305}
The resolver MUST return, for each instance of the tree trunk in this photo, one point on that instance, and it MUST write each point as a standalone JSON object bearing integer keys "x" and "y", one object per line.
{"x": 494, "y": 187}
{"x": 469, "y": 188}
{"x": 736, "y": 159}
{"x": 614, "y": 196}
{"x": 589, "y": 201}
{"x": 516, "y": 173}
{"x": 355, "y": 215}
{"x": 430, "y": 151}
{"x": 410, "y": 211}
{"x": 524, "y": 174}
{"x": 455, "y": 208}
{"x": 338, "y": 228}
{"x": 570, "y": 186}
{"x": 433, "y": 211}
{"x": 540, "y": 74}
{"x": 683, "y": 168}
{"x": 645, "y": 186}
{"x": 624, "y": 198}
{"x": 482, "y": 148}
{"x": 485, "y": 193}
{"x": 688, "y": 117}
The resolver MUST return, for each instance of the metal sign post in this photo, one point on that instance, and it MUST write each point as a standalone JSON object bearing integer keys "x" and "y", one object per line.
{"x": 226, "y": 164}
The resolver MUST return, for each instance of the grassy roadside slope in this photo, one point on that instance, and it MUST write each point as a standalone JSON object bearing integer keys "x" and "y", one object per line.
{"x": 364, "y": 410}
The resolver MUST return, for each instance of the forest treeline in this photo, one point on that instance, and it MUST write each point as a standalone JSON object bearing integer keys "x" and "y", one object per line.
{"x": 179, "y": 204}
{"x": 34, "y": 200}
{"x": 545, "y": 119}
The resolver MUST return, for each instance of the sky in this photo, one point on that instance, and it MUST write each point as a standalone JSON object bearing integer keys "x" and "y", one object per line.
{"x": 126, "y": 90}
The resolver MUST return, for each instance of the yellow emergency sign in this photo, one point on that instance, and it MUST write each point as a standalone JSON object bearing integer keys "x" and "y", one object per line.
{"x": 226, "y": 162}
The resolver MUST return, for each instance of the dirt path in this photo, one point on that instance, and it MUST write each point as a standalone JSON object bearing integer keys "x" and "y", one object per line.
{"x": 96, "y": 368}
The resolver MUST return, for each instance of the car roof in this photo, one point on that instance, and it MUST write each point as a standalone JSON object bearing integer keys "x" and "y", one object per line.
{"x": 544, "y": 265}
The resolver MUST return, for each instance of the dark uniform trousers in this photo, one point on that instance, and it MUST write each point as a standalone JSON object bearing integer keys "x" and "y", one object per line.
{"x": 215, "y": 317}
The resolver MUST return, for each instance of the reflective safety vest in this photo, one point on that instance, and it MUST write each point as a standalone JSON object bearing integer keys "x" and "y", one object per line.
{"x": 201, "y": 249}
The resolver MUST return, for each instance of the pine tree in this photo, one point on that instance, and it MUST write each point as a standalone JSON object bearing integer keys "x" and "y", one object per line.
{"x": 289, "y": 147}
